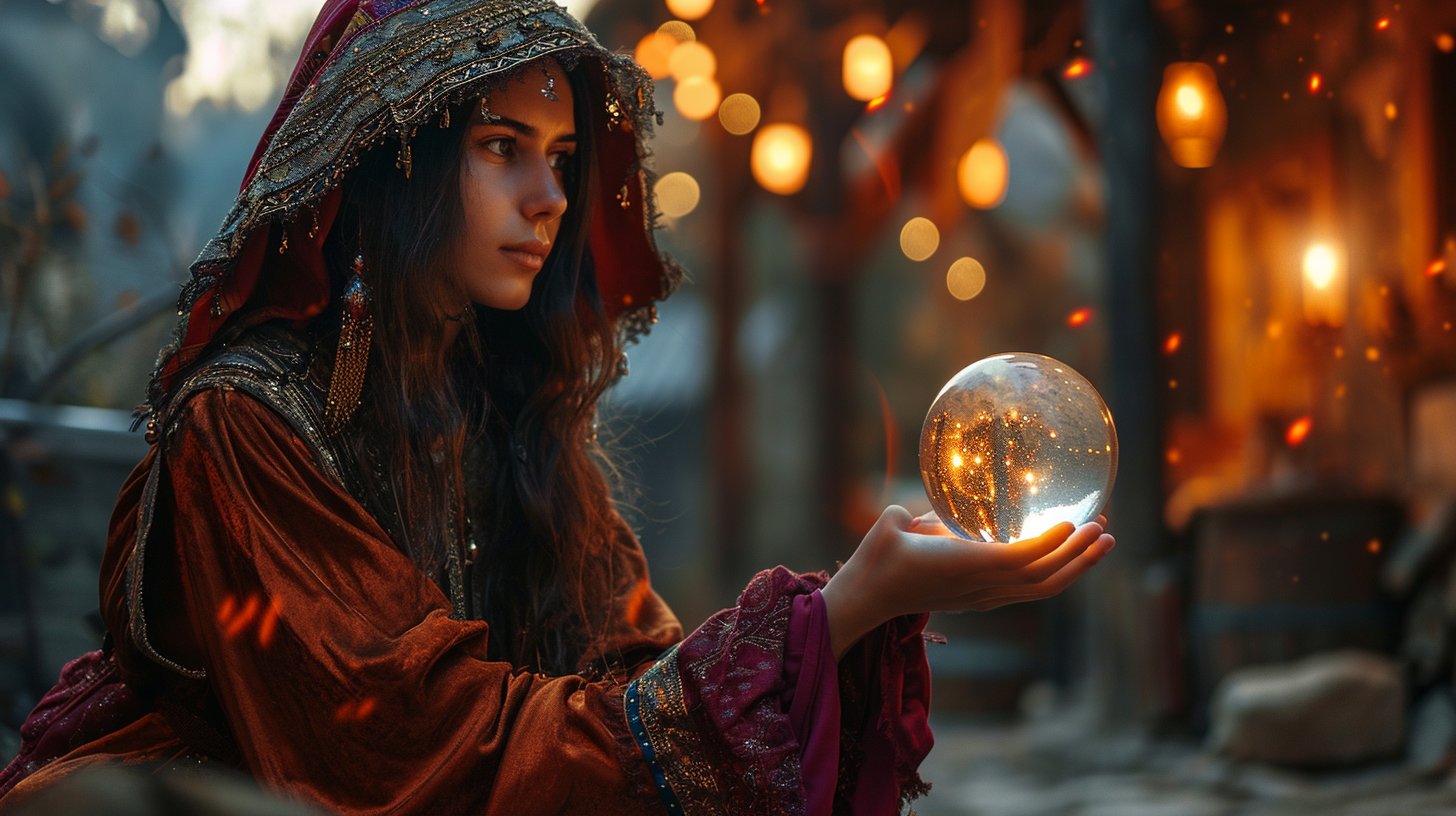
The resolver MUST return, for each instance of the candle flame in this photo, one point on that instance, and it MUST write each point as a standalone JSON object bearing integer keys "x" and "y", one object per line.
{"x": 1435, "y": 267}
{"x": 1298, "y": 430}
{"x": 1314, "y": 83}
{"x": 1079, "y": 318}
{"x": 1172, "y": 343}
{"x": 1077, "y": 68}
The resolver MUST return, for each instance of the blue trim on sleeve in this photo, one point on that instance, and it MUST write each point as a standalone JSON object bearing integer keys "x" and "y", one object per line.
{"x": 639, "y": 735}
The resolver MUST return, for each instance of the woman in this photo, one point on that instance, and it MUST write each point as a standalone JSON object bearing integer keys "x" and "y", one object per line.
{"x": 371, "y": 558}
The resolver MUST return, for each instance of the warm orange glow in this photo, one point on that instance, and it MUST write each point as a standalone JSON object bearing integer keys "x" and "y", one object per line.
{"x": 1191, "y": 113}
{"x": 1314, "y": 83}
{"x": 1390, "y": 111}
{"x": 1445, "y": 42}
{"x": 1298, "y": 430}
{"x": 689, "y": 9}
{"x": 1372, "y": 353}
{"x": 1174, "y": 456}
{"x": 241, "y": 620}
{"x": 1172, "y": 343}
{"x": 919, "y": 239}
{"x": 739, "y": 114}
{"x": 677, "y": 31}
{"x": 654, "y": 53}
{"x": 868, "y": 68}
{"x": 1077, "y": 68}
{"x": 1373, "y": 545}
{"x": 696, "y": 98}
{"x": 692, "y": 59}
{"x": 1382, "y": 24}
{"x": 982, "y": 174}
{"x": 677, "y": 194}
{"x": 1435, "y": 267}
{"x": 1324, "y": 289}
{"x": 1080, "y": 317}
{"x": 965, "y": 279}
{"x": 268, "y": 624}
{"x": 874, "y": 104}
{"x": 780, "y": 158}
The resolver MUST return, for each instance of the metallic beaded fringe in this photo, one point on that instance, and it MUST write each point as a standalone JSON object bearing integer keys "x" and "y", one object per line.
{"x": 352, "y": 358}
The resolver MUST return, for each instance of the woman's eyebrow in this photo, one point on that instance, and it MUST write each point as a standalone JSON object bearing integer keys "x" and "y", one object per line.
{"x": 523, "y": 128}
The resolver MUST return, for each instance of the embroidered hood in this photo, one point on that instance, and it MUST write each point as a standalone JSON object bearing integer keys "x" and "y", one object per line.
{"x": 372, "y": 71}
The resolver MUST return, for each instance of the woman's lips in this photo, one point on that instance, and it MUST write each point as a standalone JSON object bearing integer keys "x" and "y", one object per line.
{"x": 530, "y": 257}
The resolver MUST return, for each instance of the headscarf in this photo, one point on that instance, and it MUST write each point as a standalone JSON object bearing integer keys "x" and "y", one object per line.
{"x": 373, "y": 71}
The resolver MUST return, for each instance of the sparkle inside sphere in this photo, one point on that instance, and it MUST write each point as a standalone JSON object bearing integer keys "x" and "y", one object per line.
{"x": 1015, "y": 444}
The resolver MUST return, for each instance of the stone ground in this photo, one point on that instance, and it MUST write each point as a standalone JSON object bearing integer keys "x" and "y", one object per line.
{"x": 1053, "y": 768}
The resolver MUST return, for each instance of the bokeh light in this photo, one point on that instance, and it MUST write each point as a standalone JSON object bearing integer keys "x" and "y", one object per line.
{"x": 1319, "y": 265}
{"x": 692, "y": 59}
{"x": 739, "y": 113}
{"x": 868, "y": 68}
{"x": 238, "y": 53}
{"x": 697, "y": 98}
{"x": 1192, "y": 116}
{"x": 654, "y": 54}
{"x": 677, "y": 194}
{"x": 677, "y": 31}
{"x": 689, "y": 9}
{"x": 780, "y": 158}
{"x": 966, "y": 278}
{"x": 982, "y": 174}
{"x": 919, "y": 239}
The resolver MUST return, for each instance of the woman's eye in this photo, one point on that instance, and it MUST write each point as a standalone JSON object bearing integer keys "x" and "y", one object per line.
{"x": 505, "y": 148}
{"x": 560, "y": 160}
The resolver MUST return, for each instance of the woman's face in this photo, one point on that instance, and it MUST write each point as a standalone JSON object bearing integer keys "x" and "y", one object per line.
{"x": 511, "y": 185}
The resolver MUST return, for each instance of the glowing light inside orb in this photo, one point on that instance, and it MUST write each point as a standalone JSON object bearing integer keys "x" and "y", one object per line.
{"x": 868, "y": 68}
{"x": 1014, "y": 445}
{"x": 1190, "y": 101}
{"x": 1319, "y": 265}
{"x": 780, "y": 158}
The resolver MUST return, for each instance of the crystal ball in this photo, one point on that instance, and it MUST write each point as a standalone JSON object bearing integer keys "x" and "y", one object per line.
{"x": 1015, "y": 444}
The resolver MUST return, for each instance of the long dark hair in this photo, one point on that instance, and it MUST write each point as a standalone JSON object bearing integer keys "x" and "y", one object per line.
{"x": 505, "y": 413}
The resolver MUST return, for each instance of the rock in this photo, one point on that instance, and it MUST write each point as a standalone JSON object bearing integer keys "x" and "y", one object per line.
{"x": 1432, "y": 731}
{"x": 1330, "y": 709}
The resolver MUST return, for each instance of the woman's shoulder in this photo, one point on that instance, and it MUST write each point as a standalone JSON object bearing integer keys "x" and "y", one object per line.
{"x": 270, "y": 367}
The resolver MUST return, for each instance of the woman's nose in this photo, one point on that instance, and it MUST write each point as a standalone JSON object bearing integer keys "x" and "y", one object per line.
{"x": 544, "y": 199}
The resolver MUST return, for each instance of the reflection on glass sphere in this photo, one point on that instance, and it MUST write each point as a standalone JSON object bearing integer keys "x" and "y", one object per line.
{"x": 1015, "y": 444}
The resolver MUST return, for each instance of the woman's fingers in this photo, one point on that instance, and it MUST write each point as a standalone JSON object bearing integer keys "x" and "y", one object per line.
{"x": 992, "y": 597}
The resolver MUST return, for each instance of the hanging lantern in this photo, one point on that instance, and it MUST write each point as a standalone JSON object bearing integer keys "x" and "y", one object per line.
{"x": 689, "y": 9}
{"x": 1324, "y": 287}
{"x": 868, "y": 69}
{"x": 780, "y": 158}
{"x": 1191, "y": 113}
{"x": 982, "y": 174}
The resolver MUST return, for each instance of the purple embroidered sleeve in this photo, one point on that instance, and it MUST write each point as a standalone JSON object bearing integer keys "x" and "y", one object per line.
{"x": 750, "y": 713}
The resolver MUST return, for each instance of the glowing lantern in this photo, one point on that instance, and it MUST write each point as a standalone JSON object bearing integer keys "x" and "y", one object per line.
{"x": 654, "y": 54}
{"x": 1324, "y": 287}
{"x": 696, "y": 98}
{"x": 982, "y": 174}
{"x": 1191, "y": 113}
{"x": 689, "y": 9}
{"x": 739, "y": 114}
{"x": 868, "y": 68}
{"x": 780, "y": 158}
{"x": 677, "y": 194}
{"x": 692, "y": 59}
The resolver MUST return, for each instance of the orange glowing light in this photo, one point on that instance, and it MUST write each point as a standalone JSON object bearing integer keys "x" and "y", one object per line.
{"x": 697, "y": 97}
{"x": 1445, "y": 42}
{"x": 1174, "y": 456}
{"x": 1077, "y": 68}
{"x": 1079, "y": 318}
{"x": 868, "y": 69}
{"x": 355, "y": 711}
{"x": 1191, "y": 113}
{"x": 1435, "y": 267}
{"x": 1314, "y": 83}
{"x": 780, "y": 158}
{"x": 1373, "y": 545}
{"x": 654, "y": 54}
{"x": 227, "y": 609}
{"x": 1372, "y": 353}
{"x": 982, "y": 174}
{"x": 692, "y": 59}
{"x": 241, "y": 620}
{"x": 874, "y": 104}
{"x": 268, "y": 624}
{"x": 1382, "y": 24}
{"x": 1173, "y": 342}
{"x": 1298, "y": 430}
{"x": 689, "y": 9}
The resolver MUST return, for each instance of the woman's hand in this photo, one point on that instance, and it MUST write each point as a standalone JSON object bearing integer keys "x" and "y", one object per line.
{"x": 908, "y": 565}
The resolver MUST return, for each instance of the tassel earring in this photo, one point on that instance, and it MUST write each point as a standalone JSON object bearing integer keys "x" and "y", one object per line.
{"x": 352, "y": 358}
